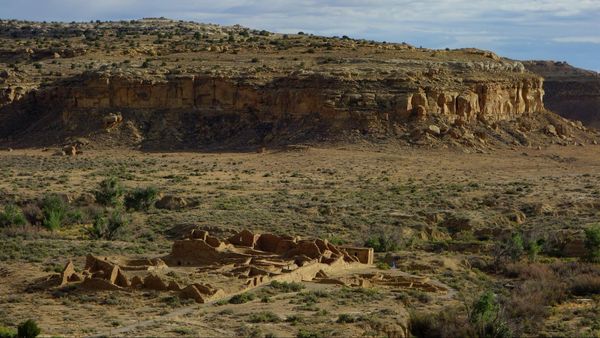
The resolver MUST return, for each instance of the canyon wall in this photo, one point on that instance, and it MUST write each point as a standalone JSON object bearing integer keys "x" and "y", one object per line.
{"x": 199, "y": 103}
{"x": 300, "y": 96}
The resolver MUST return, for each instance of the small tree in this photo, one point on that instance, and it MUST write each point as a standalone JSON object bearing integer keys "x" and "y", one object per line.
{"x": 485, "y": 316}
{"x": 510, "y": 249}
{"x": 592, "y": 243}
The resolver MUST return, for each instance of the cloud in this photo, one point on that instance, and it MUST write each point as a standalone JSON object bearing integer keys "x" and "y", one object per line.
{"x": 514, "y": 28}
{"x": 578, "y": 39}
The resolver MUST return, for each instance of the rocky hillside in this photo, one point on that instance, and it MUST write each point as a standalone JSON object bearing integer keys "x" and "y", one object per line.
{"x": 162, "y": 84}
{"x": 572, "y": 92}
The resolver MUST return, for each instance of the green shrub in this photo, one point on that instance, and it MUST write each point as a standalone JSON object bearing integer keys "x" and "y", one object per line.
{"x": 141, "y": 198}
{"x": 483, "y": 320}
{"x": 347, "y": 318}
{"x": 533, "y": 249}
{"x": 6, "y": 332}
{"x": 110, "y": 192}
{"x": 287, "y": 287}
{"x": 511, "y": 249}
{"x": 242, "y": 298}
{"x": 54, "y": 210}
{"x": 53, "y": 221}
{"x": 294, "y": 319}
{"x": 382, "y": 265}
{"x": 485, "y": 317}
{"x": 28, "y": 329}
{"x": 382, "y": 243}
{"x": 264, "y": 317}
{"x": 515, "y": 247}
{"x": 592, "y": 243}
{"x": 12, "y": 215}
{"x": 108, "y": 227}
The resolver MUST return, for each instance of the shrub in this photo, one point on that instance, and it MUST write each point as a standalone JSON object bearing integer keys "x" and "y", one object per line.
{"x": 382, "y": 265}
{"x": 108, "y": 227}
{"x": 347, "y": 318}
{"x": 533, "y": 249}
{"x": 28, "y": 329}
{"x": 529, "y": 302}
{"x": 54, "y": 210}
{"x": 511, "y": 249}
{"x": 585, "y": 285}
{"x": 141, "y": 198}
{"x": 12, "y": 215}
{"x": 53, "y": 220}
{"x": 486, "y": 318}
{"x": 423, "y": 325}
{"x": 592, "y": 243}
{"x": 383, "y": 242}
{"x": 242, "y": 298}
{"x": 6, "y": 332}
{"x": 109, "y": 192}
{"x": 483, "y": 320}
{"x": 33, "y": 214}
{"x": 287, "y": 287}
{"x": 294, "y": 319}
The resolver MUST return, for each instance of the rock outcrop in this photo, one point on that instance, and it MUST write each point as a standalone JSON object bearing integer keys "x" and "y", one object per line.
{"x": 194, "y": 110}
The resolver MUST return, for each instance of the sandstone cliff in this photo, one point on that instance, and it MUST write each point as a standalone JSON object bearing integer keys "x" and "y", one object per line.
{"x": 204, "y": 109}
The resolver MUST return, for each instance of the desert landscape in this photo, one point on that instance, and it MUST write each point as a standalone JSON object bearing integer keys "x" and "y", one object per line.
{"x": 172, "y": 178}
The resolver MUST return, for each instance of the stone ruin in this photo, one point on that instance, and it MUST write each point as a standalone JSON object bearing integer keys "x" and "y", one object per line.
{"x": 205, "y": 268}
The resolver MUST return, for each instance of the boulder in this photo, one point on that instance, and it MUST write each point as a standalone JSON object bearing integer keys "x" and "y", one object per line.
{"x": 69, "y": 150}
{"x": 433, "y": 129}
{"x": 112, "y": 119}
{"x": 550, "y": 130}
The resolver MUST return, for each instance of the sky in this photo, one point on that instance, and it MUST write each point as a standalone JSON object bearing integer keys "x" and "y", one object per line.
{"x": 561, "y": 30}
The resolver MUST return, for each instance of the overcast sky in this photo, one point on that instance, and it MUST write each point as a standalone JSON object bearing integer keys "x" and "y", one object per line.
{"x": 563, "y": 30}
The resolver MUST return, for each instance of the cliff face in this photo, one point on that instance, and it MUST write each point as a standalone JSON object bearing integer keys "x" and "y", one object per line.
{"x": 572, "y": 92}
{"x": 218, "y": 107}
